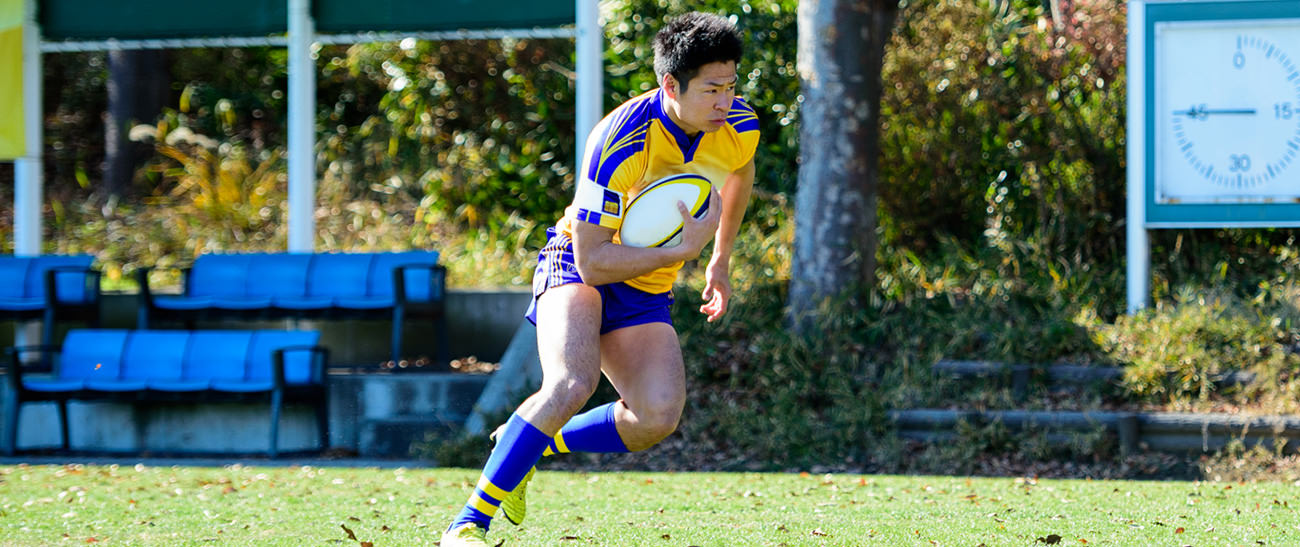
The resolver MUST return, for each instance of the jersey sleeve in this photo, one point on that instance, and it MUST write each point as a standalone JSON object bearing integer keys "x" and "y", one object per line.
{"x": 613, "y": 162}
{"x": 744, "y": 121}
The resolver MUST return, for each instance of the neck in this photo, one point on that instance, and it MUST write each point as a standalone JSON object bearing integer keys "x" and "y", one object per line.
{"x": 670, "y": 108}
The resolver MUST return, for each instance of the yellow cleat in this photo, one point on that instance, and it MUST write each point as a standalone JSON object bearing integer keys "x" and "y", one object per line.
{"x": 467, "y": 535}
{"x": 515, "y": 506}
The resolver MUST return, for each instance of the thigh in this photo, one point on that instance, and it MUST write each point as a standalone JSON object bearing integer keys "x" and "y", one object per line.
{"x": 568, "y": 344}
{"x": 644, "y": 363}
{"x": 568, "y": 328}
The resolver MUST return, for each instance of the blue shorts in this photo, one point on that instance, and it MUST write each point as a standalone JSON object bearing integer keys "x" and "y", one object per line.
{"x": 621, "y": 304}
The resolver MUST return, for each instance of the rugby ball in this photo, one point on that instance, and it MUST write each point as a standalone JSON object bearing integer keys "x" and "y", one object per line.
{"x": 651, "y": 219}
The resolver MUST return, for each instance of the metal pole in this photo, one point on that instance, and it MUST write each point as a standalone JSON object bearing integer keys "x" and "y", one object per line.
{"x": 591, "y": 71}
{"x": 1138, "y": 248}
{"x": 302, "y": 128}
{"x": 29, "y": 169}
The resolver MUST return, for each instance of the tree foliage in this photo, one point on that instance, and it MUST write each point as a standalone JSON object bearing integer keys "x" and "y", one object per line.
{"x": 1002, "y": 137}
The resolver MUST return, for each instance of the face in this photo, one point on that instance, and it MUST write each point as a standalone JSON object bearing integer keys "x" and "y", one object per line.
{"x": 708, "y": 97}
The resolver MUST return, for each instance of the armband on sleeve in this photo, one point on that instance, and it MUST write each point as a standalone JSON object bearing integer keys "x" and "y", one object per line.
{"x": 598, "y": 205}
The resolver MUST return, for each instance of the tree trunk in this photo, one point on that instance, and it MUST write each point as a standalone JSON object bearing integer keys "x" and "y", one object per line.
{"x": 138, "y": 84}
{"x": 841, "y": 51}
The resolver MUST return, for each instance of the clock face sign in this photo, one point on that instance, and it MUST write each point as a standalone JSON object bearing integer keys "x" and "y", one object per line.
{"x": 1227, "y": 111}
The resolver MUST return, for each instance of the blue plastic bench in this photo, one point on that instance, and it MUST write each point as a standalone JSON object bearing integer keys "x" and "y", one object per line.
{"x": 51, "y": 288}
{"x": 394, "y": 285}
{"x": 182, "y": 366}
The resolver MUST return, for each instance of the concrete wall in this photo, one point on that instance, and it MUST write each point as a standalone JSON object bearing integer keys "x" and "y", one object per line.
{"x": 373, "y": 414}
{"x": 381, "y": 415}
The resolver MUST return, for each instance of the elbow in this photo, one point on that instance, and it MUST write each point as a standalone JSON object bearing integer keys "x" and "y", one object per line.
{"x": 586, "y": 269}
{"x": 588, "y": 276}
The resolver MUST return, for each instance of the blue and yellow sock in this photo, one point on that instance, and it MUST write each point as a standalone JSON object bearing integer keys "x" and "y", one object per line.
{"x": 591, "y": 431}
{"x": 517, "y": 451}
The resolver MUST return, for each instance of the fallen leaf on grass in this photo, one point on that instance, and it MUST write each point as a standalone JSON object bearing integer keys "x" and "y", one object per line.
{"x": 1179, "y": 530}
{"x": 351, "y": 535}
{"x": 819, "y": 532}
{"x": 1051, "y": 539}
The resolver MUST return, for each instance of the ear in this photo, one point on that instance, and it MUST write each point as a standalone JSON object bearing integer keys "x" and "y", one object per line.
{"x": 669, "y": 84}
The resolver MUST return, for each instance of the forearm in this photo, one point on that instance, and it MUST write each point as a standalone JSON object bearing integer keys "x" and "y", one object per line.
{"x": 600, "y": 261}
{"x": 605, "y": 262}
{"x": 735, "y": 199}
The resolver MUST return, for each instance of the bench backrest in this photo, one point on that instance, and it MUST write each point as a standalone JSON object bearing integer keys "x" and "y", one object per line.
{"x": 154, "y": 355}
{"x": 116, "y": 354}
{"x": 13, "y": 276}
{"x": 417, "y": 281}
{"x": 92, "y": 354}
{"x": 24, "y": 277}
{"x": 297, "y": 364}
{"x": 324, "y": 275}
{"x": 339, "y": 275}
{"x": 219, "y": 276}
{"x": 283, "y": 274}
{"x": 210, "y": 352}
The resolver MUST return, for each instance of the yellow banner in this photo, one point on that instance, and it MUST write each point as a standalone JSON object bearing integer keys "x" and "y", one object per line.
{"x": 12, "y": 144}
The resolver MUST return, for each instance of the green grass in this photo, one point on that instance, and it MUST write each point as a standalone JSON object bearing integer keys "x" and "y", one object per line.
{"x": 109, "y": 505}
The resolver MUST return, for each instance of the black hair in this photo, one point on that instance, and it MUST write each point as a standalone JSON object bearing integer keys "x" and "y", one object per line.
{"x": 691, "y": 41}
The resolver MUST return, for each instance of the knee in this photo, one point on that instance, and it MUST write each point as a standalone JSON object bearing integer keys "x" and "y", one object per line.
{"x": 660, "y": 419}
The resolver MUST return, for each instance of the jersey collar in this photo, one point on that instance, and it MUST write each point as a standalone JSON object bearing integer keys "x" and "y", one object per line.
{"x": 685, "y": 142}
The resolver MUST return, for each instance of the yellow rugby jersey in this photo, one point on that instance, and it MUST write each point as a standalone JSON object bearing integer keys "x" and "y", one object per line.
{"x": 637, "y": 144}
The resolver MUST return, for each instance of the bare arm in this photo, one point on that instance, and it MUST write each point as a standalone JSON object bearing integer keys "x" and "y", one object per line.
{"x": 600, "y": 261}
{"x": 735, "y": 199}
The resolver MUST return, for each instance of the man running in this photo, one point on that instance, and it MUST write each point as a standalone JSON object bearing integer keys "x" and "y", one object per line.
{"x": 601, "y": 307}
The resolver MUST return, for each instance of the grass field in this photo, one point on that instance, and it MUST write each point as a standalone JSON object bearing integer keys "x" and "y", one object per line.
{"x": 111, "y": 505}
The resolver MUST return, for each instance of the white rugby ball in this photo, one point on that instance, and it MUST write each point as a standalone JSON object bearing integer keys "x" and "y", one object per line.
{"x": 651, "y": 219}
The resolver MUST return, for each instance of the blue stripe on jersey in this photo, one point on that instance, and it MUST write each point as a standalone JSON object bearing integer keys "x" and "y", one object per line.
{"x": 742, "y": 116}
{"x": 684, "y": 142}
{"x": 623, "y": 136}
{"x": 740, "y": 104}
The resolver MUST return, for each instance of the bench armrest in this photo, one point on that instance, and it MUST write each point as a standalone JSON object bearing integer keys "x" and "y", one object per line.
{"x": 319, "y": 360}
{"x": 91, "y": 287}
{"x": 13, "y": 355}
{"x": 437, "y": 281}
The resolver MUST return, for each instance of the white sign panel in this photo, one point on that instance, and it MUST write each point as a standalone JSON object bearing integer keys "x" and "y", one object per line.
{"x": 1227, "y": 111}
